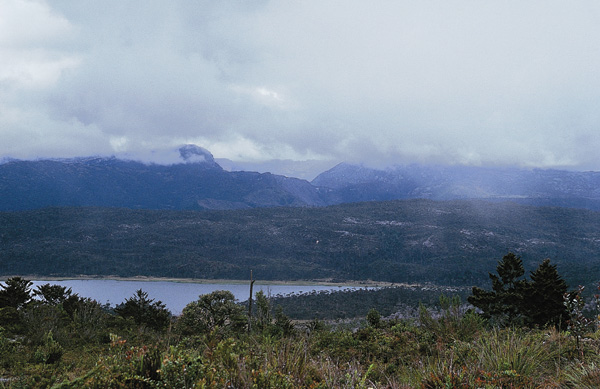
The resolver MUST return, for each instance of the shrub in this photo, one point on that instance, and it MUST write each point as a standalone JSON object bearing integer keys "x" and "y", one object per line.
{"x": 452, "y": 322}
{"x": 50, "y": 352}
{"x": 216, "y": 310}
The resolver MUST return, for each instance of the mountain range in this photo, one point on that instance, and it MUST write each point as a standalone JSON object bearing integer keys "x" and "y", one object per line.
{"x": 196, "y": 183}
{"x": 199, "y": 182}
{"x": 107, "y": 216}
{"x": 352, "y": 183}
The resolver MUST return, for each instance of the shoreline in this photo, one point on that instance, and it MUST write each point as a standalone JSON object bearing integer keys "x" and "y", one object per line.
{"x": 350, "y": 283}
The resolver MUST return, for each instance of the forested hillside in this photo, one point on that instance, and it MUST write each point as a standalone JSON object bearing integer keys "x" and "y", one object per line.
{"x": 449, "y": 243}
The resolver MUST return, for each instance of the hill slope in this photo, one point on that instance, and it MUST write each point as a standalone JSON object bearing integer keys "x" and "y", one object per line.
{"x": 350, "y": 183}
{"x": 454, "y": 242}
{"x": 200, "y": 183}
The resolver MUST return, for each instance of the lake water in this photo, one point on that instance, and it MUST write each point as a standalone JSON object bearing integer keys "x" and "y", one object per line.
{"x": 175, "y": 295}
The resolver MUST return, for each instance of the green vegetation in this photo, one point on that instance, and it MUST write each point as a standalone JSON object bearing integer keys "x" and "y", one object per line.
{"x": 145, "y": 311}
{"x": 212, "y": 312}
{"x": 402, "y": 301}
{"x": 413, "y": 241}
{"x": 50, "y": 337}
{"x": 516, "y": 301}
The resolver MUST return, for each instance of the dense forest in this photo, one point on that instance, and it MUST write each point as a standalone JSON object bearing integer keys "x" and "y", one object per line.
{"x": 423, "y": 241}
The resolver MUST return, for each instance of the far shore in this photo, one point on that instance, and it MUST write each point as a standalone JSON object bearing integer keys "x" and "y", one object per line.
{"x": 350, "y": 283}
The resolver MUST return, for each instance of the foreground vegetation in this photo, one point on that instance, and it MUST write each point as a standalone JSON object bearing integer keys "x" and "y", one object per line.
{"x": 59, "y": 339}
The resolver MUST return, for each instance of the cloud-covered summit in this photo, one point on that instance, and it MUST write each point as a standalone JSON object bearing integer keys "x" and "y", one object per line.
{"x": 196, "y": 154}
{"x": 511, "y": 83}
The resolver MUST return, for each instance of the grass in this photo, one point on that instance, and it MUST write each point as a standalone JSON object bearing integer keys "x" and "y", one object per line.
{"x": 450, "y": 350}
{"x": 383, "y": 357}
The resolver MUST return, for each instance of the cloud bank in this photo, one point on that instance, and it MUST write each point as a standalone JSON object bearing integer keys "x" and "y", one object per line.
{"x": 462, "y": 82}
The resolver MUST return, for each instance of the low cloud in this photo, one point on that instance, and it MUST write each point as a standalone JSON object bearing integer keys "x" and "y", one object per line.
{"x": 508, "y": 83}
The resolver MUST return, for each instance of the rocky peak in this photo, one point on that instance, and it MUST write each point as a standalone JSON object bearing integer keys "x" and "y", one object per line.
{"x": 196, "y": 154}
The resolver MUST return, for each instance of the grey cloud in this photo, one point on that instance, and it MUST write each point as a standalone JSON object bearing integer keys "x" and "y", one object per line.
{"x": 507, "y": 83}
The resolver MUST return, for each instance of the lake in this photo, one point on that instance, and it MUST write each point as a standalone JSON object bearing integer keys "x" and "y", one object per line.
{"x": 176, "y": 295}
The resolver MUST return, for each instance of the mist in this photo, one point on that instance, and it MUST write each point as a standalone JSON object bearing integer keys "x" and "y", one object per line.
{"x": 487, "y": 83}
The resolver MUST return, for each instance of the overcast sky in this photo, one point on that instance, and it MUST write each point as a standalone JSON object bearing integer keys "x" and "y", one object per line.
{"x": 379, "y": 82}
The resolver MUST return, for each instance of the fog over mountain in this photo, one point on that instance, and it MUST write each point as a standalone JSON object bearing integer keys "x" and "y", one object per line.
{"x": 306, "y": 170}
{"x": 199, "y": 182}
{"x": 455, "y": 82}
{"x": 353, "y": 183}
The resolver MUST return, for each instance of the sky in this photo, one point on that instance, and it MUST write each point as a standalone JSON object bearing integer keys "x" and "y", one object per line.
{"x": 512, "y": 83}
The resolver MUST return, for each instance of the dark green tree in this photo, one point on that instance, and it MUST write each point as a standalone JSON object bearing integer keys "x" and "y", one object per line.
{"x": 145, "y": 311}
{"x": 11, "y": 320}
{"x": 544, "y": 304}
{"x": 16, "y": 293}
{"x": 52, "y": 294}
{"x": 59, "y": 296}
{"x": 216, "y": 310}
{"x": 374, "y": 318}
{"x": 504, "y": 304}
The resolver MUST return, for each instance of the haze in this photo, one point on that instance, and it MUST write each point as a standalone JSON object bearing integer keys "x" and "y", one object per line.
{"x": 381, "y": 83}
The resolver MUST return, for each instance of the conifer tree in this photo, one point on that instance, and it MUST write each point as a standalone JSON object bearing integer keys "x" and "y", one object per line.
{"x": 16, "y": 293}
{"x": 516, "y": 301}
{"x": 504, "y": 304}
{"x": 544, "y": 302}
{"x": 145, "y": 311}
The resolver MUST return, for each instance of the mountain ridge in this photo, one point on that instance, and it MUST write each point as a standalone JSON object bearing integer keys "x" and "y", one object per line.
{"x": 196, "y": 183}
{"x": 199, "y": 182}
{"x": 552, "y": 187}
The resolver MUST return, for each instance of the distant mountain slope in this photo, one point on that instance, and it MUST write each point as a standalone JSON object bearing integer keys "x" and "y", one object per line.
{"x": 351, "y": 183}
{"x": 199, "y": 183}
{"x": 306, "y": 170}
{"x": 450, "y": 243}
